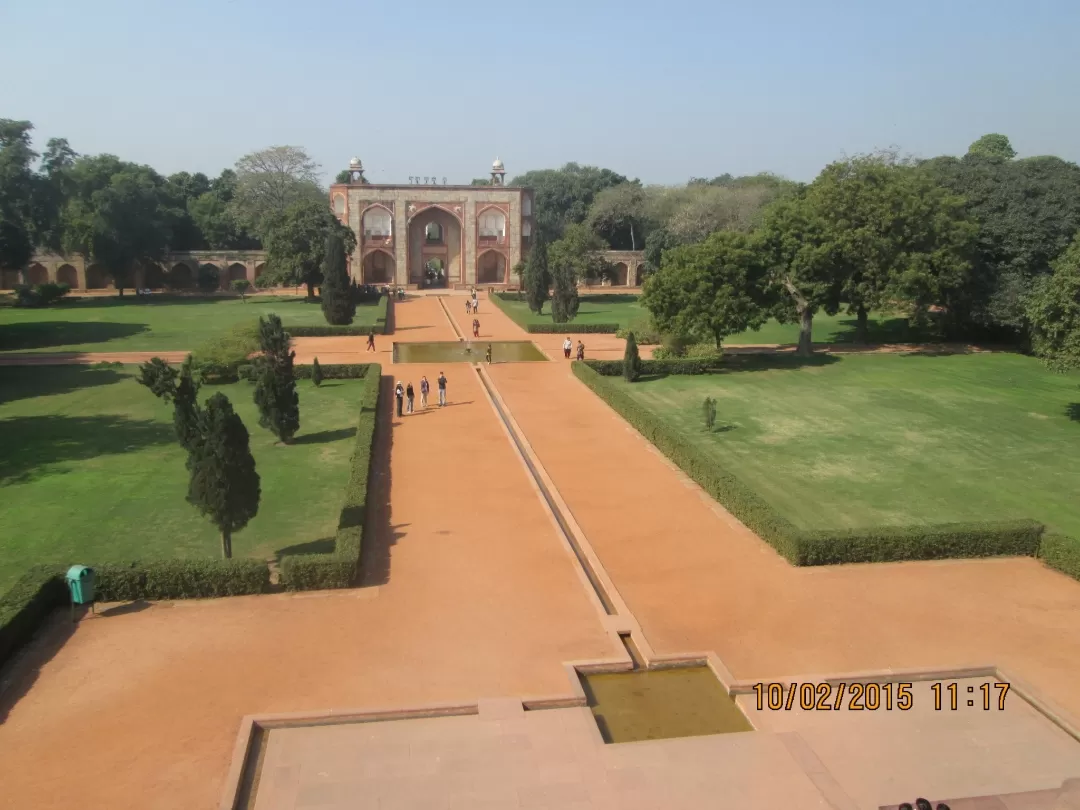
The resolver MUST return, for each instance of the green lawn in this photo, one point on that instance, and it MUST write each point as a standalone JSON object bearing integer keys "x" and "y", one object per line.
{"x": 157, "y": 323}
{"x": 864, "y": 440}
{"x": 90, "y": 471}
{"x": 623, "y": 309}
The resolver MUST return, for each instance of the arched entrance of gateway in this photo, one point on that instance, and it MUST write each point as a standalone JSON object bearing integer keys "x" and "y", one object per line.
{"x": 491, "y": 268}
{"x": 378, "y": 267}
{"x": 434, "y": 249}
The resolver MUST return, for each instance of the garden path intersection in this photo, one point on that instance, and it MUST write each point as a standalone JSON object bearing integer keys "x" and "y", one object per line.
{"x": 515, "y": 534}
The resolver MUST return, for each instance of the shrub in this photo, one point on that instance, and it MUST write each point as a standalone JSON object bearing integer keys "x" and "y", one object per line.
{"x": 265, "y": 281}
{"x": 328, "y": 331}
{"x": 209, "y": 278}
{"x": 240, "y": 285}
{"x": 645, "y": 331}
{"x": 27, "y": 604}
{"x": 316, "y": 373}
{"x": 218, "y": 359}
{"x": 301, "y": 572}
{"x": 336, "y": 371}
{"x": 1062, "y": 553}
{"x": 631, "y": 360}
{"x": 708, "y": 408}
{"x": 1017, "y": 537}
{"x": 41, "y": 295}
{"x": 706, "y": 351}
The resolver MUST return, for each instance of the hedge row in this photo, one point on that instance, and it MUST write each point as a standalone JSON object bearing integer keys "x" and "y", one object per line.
{"x": 1017, "y": 537}
{"x": 303, "y": 572}
{"x": 27, "y": 604}
{"x": 679, "y": 365}
{"x": 382, "y": 325}
{"x": 331, "y": 371}
{"x": 1062, "y": 553}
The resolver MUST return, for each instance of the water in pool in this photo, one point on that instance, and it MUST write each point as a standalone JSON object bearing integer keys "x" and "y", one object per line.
{"x": 502, "y": 351}
{"x": 661, "y": 703}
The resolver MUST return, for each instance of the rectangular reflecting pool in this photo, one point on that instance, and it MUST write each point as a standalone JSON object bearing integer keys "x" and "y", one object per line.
{"x": 661, "y": 703}
{"x": 474, "y": 351}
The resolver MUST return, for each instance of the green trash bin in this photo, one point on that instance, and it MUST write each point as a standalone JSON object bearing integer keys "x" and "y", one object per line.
{"x": 80, "y": 580}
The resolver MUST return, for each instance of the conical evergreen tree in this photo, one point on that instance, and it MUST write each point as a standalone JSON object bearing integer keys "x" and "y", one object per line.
{"x": 224, "y": 484}
{"x": 537, "y": 277}
{"x": 338, "y": 305}
{"x": 564, "y": 300}
{"x": 631, "y": 362}
{"x": 316, "y": 373}
{"x": 275, "y": 386}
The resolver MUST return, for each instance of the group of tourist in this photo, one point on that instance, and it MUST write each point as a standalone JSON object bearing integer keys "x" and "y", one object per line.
{"x": 568, "y": 347}
{"x": 405, "y": 394}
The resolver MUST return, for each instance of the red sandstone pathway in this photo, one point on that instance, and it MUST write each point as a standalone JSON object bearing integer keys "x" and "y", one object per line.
{"x": 697, "y": 580}
{"x": 470, "y": 594}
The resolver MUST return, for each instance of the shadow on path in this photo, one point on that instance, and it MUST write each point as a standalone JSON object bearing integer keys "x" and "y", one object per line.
{"x": 380, "y": 534}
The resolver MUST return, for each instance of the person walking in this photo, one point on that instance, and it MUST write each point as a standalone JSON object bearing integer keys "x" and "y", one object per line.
{"x": 475, "y": 303}
{"x": 487, "y": 355}
{"x": 442, "y": 388}
{"x": 567, "y": 347}
{"x": 580, "y": 350}
{"x": 409, "y": 394}
{"x": 476, "y": 327}
{"x": 425, "y": 388}
{"x": 371, "y": 341}
{"x": 468, "y": 306}
{"x": 399, "y": 395}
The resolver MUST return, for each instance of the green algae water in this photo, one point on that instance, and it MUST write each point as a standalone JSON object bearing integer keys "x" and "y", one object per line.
{"x": 502, "y": 351}
{"x": 661, "y": 703}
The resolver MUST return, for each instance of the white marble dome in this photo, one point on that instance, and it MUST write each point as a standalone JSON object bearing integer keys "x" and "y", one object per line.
{"x": 497, "y": 166}
{"x": 355, "y": 164}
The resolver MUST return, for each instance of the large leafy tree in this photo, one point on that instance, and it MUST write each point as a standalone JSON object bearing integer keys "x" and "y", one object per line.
{"x": 214, "y": 216}
{"x": 55, "y": 185}
{"x": 621, "y": 215}
{"x": 270, "y": 181}
{"x": 892, "y": 234}
{"x": 993, "y": 145}
{"x": 338, "y": 305}
{"x": 224, "y": 485}
{"x": 296, "y": 243}
{"x": 1027, "y": 212}
{"x": 712, "y": 289}
{"x": 1053, "y": 310}
{"x": 17, "y": 188}
{"x": 120, "y": 214}
{"x": 275, "y": 385}
{"x": 184, "y": 188}
{"x": 537, "y": 276}
{"x": 579, "y": 254}
{"x": 563, "y": 196}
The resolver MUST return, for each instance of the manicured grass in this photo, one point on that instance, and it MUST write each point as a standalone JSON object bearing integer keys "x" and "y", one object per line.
{"x": 865, "y": 440}
{"x": 625, "y": 310}
{"x": 157, "y": 323}
{"x": 91, "y": 472}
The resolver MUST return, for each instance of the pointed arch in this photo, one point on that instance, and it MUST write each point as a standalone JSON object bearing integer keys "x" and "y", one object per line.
{"x": 66, "y": 274}
{"x": 428, "y": 208}
{"x": 37, "y": 274}
{"x": 378, "y": 267}
{"x": 491, "y": 267}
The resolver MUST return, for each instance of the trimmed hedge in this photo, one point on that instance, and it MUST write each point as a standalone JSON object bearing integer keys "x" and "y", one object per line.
{"x": 180, "y": 579}
{"x": 333, "y": 371}
{"x": 572, "y": 328}
{"x": 680, "y": 365}
{"x": 303, "y": 572}
{"x": 382, "y": 325}
{"x": 828, "y": 547}
{"x": 1061, "y": 552}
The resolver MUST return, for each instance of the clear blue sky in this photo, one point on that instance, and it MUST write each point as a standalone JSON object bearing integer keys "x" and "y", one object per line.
{"x": 657, "y": 90}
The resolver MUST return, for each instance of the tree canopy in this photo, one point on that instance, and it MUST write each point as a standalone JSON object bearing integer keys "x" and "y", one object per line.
{"x": 1053, "y": 310}
{"x": 563, "y": 196}
{"x": 992, "y": 146}
{"x": 296, "y": 242}
{"x": 270, "y": 181}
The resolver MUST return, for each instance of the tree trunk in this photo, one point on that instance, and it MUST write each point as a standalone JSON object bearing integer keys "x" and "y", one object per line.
{"x": 719, "y": 341}
{"x": 226, "y": 544}
{"x": 861, "y": 325}
{"x": 310, "y": 291}
{"x": 806, "y": 323}
{"x": 633, "y": 243}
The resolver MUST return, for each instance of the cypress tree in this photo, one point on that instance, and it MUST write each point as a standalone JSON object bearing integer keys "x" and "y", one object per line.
{"x": 537, "y": 277}
{"x": 182, "y": 390}
{"x": 224, "y": 484}
{"x": 631, "y": 361}
{"x": 338, "y": 305}
{"x": 564, "y": 301}
{"x": 275, "y": 385}
{"x": 316, "y": 373}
